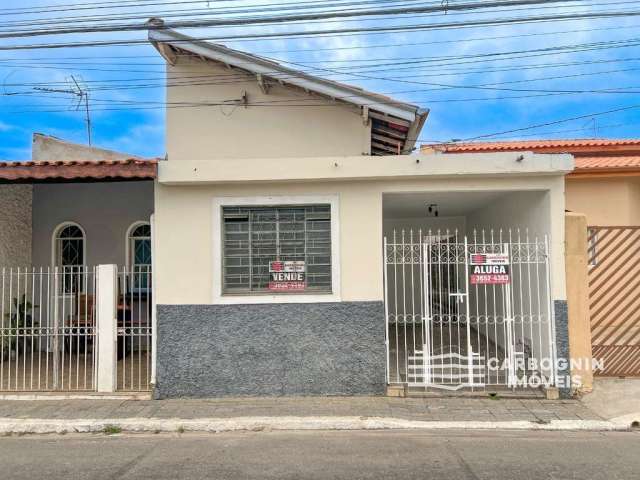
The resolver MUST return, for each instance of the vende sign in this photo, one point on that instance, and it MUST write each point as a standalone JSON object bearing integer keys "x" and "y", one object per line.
{"x": 287, "y": 276}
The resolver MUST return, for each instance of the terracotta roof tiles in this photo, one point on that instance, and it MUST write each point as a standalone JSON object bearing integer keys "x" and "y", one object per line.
{"x": 566, "y": 144}
{"x": 130, "y": 169}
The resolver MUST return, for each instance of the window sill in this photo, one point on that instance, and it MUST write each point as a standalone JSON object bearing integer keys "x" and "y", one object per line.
{"x": 240, "y": 299}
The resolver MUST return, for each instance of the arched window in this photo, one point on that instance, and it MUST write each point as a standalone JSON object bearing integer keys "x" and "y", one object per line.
{"x": 69, "y": 256}
{"x": 139, "y": 254}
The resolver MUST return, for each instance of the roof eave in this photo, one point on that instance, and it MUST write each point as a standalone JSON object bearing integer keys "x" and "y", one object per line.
{"x": 414, "y": 130}
{"x": 36, "y": 172}
{"x": 605, "y": 172}
{"x": 160, "y": 38}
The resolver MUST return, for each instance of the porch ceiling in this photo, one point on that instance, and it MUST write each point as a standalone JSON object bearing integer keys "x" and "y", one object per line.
{"x": 75, "y": 171}
{"x": 406, "y": 205}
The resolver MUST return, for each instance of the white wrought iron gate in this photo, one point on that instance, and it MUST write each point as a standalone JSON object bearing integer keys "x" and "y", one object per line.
{"x": 468, "y": 312}
{"x": 50, "y": 331}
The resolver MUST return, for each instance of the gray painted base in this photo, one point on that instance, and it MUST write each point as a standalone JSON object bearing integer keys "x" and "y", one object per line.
{"x": 562, "y": 341}
{"x": 270, "y": 349}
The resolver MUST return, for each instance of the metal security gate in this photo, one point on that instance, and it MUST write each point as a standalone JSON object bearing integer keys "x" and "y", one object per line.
{"x": 48, "y": 331}
{"x": 614, "y": 299}
{"x": 134, "y": 349}
{"x": 468, "y": 312}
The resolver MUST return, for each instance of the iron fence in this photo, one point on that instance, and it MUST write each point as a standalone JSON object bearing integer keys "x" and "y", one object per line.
{"x": 455, "y": 322}
{"x": 48, "y": 329}
{"x": 134, "y": 328}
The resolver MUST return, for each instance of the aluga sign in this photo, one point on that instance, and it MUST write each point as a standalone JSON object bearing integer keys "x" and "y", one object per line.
{"x": 489, "y": 269}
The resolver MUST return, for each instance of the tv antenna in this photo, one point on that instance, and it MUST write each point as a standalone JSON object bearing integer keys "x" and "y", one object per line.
{"x": 81, "y": 93}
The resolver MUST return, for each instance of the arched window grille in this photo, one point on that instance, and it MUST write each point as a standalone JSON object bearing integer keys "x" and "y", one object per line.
{"x": 69, "y": 253}
{"x": 139, "y": 241}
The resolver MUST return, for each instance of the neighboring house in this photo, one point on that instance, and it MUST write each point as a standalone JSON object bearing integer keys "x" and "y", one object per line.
{"x": 69, "y": 209}
{"x": 605, "y": 187}
{"x": 298, "y": 249}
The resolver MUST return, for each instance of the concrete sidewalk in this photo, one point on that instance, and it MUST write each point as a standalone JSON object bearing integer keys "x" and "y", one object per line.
{"x": 303, "y": 413}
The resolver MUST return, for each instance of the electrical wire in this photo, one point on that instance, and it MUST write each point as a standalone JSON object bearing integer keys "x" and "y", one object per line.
{"x": 352, "y": 31}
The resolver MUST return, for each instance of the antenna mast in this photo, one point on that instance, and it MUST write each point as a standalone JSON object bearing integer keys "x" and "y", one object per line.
{"x": 83, "y": 97}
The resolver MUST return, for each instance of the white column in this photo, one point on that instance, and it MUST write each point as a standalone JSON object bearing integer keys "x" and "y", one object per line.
{"x": 154, "y": 280}
{"x": 107, "y": 327}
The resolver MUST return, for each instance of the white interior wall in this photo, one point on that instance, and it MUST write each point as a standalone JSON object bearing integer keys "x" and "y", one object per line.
{"x": 524, "y": 210}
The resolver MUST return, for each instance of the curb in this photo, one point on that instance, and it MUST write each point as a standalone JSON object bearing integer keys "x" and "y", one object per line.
{"x": 10, "y": 426}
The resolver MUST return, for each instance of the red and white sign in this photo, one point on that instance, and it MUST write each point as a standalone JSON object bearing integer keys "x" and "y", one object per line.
{"x": 489, "y": 275}
{"x": 287, "y": 276}
{"x": 489, "y": 259}
{"x": 288, "y": 266}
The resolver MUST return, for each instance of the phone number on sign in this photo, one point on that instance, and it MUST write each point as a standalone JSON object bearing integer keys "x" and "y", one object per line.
{"x": 489, "y": 279}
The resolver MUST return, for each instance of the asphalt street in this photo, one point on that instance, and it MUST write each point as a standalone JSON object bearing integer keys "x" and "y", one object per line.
{"x": 325, "y": 455}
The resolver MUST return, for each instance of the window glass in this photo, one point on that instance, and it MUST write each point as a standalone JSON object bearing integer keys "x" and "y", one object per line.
{"x": 277, "y": 249}
{"x": 140, "y": 256}
{"x": 69, "y": 250}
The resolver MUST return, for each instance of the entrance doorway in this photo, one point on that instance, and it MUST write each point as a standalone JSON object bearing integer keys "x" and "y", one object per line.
{"x": 468, "y": 310}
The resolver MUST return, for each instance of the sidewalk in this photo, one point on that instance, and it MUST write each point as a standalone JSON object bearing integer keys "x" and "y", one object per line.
{"x": 304, "y": 413}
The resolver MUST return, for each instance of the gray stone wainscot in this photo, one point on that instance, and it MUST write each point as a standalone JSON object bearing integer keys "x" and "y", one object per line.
{"x": 270, "y": 349}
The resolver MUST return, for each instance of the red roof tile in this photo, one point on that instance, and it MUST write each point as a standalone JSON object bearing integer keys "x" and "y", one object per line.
{"x": 528, "y": 145}
{"x": 131, "y": 169}
{"x": 608, "y": 163}
{"x": 591, "y": 155}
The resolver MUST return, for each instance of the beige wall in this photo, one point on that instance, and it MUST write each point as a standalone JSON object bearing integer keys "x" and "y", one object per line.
{"x": 233, "y": 131}
{"x": 47, "y": 148}
{"x": 183, "y": 228}
{"x": 578, "y": 298}
{"x": 605, "y": 201}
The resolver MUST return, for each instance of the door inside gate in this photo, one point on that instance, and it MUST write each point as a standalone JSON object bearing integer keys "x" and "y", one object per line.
{"x": 447, "y": 358}
{"x": 466, "y": 313}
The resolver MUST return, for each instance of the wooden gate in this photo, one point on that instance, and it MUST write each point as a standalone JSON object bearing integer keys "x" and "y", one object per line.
{"x": 614, "y": 299}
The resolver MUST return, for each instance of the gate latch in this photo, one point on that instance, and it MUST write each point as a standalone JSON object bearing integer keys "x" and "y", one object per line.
{"x": 459, "y": 296}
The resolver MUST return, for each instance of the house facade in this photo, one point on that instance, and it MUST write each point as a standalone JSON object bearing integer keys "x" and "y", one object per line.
{"x": 68, "y": 210}
{"x": 280, "y": 170}
{"x": 604, "y": 188}
{"x": 300, "y": 247}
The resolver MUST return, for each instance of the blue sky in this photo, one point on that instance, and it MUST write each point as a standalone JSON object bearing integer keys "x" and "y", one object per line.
{"x": 113, "y": 74}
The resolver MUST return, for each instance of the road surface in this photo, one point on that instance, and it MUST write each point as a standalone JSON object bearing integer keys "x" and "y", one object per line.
{"x": 325, "y": 455}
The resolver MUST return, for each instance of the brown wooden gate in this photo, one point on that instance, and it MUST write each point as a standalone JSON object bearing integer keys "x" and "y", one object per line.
{"x": 614, "y": 298}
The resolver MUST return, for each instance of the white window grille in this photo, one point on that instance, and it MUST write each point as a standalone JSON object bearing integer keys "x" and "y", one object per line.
{"x": 139, "y": 255}
{"x": 256, "y": 236}
{"x": 69, "y": 251}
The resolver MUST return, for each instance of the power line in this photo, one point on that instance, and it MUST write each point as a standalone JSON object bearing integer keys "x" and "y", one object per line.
{"x": 83, "y": 6}
{"x": 280, "y": 8}
{"x": 340, "y": 32}
{"x": 322, "y": 49}
{"x": 317, "y": 5}
{"x": 554, "y": 122}
{"x": 439, "y": 60}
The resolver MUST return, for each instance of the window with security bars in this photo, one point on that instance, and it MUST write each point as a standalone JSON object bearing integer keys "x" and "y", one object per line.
{"x": 255, "y": 237}
{"x": 69, "y": 244}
